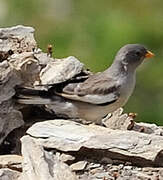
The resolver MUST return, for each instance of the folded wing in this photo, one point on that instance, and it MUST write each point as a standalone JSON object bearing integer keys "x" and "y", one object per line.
{"x": 97, "y": 89}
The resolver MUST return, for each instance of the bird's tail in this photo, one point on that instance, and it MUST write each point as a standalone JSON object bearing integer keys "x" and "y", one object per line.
{"x": 32, "y": 100}
{"x": 32, "y": 96}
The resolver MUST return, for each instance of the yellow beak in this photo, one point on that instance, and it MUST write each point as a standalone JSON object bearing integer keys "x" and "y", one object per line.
{"x": 149, "y": 54}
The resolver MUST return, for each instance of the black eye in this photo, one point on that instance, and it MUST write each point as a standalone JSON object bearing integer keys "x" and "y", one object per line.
{"x": 138, "y": 53}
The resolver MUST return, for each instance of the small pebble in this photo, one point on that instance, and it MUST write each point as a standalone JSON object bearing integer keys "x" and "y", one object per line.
{"x": 66, "y": 157}
{"x": 101, "y": 175}
{"x": 161, "y": 173}
{"x": 121, "y": 166}
{"x": 96, "y": 170}
{"x": 78, "y": 166}
{"x": 150, "y": 173}
{"x": 93, "y": 165}
{"x": 127, "y": 167}
{"x": 114, "y": 169}
{"x": 106, "y": 160}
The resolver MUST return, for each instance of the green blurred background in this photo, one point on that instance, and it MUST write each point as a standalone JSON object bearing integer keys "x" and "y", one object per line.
{"x": 93, "y": 31}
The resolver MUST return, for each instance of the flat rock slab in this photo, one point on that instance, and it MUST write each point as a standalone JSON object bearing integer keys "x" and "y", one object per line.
{"x": 138, "y": 148}
{"x": 42, "y": 165}
{"x": 11, "y": 161}
{"x": 8, "y": 174}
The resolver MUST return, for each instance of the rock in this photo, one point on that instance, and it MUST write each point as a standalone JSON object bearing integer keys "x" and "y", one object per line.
{"x": 117, "y": 120}
{"x": 142, "y": 176}
{"x": 43, "y": 58}
{"x": 66, "y": 157}
{"x": 161, "y": 173}
{"x": 8, "y": 80}
{"x": 106, "y": 160}
{"x": 103, "y": 175}
{"x": 18, "y": 39}
{"x": 127, "y": 173}
{"x": 8, "y": 174}
{"x": 60, "y": 70}
{"x": 96, "y": 170}
{"x": 93, "y": 166}
{"x": 128, "y": 167}
{"x": 10, "y": 119}
{"x": 27, "y": 67}
{"x": 13, "y": 162}
{"x": 39, "y": 164}
{"x": 114, "y": 169}
{"x": 138, "y": 148}
{"x": 90, "y": 145}
{"x": 16, "y": 43}
{"x": 138, "y": 169}
{"x": 150, "y": 128}
{"x": 121, "y": 166}
{"x": 80, "y": 165}
{"x": 149, "y": 169}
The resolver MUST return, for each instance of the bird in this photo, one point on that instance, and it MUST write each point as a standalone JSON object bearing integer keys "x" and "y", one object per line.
{"x": 99, "y": 94}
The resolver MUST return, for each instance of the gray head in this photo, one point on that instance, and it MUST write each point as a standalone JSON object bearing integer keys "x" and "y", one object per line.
{"x": 132, "y": 55}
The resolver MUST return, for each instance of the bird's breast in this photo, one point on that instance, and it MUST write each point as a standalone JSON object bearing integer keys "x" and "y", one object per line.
{"x": 126, "y": 88}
